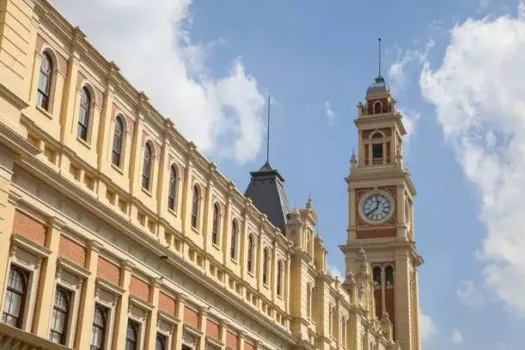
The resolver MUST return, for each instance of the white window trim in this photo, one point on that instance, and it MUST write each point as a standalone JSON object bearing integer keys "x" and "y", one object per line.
{"x": 28, "y": 256}
{"x": 69, "y": 279}
{"x": 107, "y": 295}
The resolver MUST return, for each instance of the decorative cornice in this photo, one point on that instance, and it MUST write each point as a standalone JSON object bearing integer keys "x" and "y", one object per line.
{"x": 73, "y": 268}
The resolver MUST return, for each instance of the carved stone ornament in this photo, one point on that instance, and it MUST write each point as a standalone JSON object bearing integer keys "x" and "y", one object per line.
{"x": 137, "y": 313}
{"x": 189, "y": 339}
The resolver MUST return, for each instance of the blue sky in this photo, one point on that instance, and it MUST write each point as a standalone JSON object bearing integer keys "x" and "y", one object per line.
{"x": 445, "y": 60}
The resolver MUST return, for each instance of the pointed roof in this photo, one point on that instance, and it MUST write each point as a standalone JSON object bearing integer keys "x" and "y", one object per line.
{"x": 266, "y": 190}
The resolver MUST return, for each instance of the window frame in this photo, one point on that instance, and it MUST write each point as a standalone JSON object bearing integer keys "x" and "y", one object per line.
{"x": 85, "y": 112}
{"x": 66, "y": 313}
{"x": 116, "y": 152}
{"x": 195, "y": 206}
{"x": 25, "y": 275}
{"x": 172, "y": 188}
{"x": 234, "y": 240}
{"x": 106, "y": 312}
{"x": 136, "y": 327}
{"x": 266, "y": 266}
{"x": 250, "y": 251}
{"x": 216, "y": 224}
{"x": 280, "y": 278}
{"x": 147, "y": 166}
{"x": 50, "y": 75}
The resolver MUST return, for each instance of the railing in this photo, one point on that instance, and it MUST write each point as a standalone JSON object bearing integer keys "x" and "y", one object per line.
{"x": 14, "y": 338}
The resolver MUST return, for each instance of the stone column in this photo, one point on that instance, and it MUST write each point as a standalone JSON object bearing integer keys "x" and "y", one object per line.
{"x": 121, "y": 319}
{"x": 151, "y": 327}
{"x": 87, "y": 299}
{"x": 46, "y": 285}
{"x": 203, "y": 322}
{"x": 177, "y": 336}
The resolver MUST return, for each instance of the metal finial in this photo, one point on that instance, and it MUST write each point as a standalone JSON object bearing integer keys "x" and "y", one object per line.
{"x": 379, "y": 54}
{"x": 268, "y": 134}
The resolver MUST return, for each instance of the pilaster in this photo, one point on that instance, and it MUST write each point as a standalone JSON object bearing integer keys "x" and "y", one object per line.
{"x": 151, "y": 332}
{"x": 67, "y": 115}
{"x": 46, "y": 284}
{"x": 137, "y": 147}
{"x": 107, "y": 122}
{"x": 87, "y": 299}
{"x": 121, "y": 318}
{"x": 8, "y": 204}
{"x": 203, "y": 320}
{"x": 177, "y": 336}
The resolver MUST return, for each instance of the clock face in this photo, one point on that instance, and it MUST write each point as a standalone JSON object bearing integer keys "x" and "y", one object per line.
{"x": 377, "y": 207}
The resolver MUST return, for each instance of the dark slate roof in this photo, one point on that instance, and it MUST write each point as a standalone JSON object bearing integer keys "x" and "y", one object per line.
{"x": 266, "y": 190}
{"x": 378, "y": 87}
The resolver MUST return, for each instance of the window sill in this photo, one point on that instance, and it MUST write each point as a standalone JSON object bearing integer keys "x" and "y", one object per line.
{"x": 233, "y": 260}
{"x": 44, "y": 112}
{"x": 172, "y": 211}
{"x": 117, "y": 168}
{"x": 216, "y": 246}
{"x": 85, "y": 143}
{"x": 146, "y": 191}
{"x": 195, "y": 230}
{"x": 250, "y": 273}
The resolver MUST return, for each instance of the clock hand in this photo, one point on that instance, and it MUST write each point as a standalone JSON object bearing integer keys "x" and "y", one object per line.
{"x": 371, "y": 210}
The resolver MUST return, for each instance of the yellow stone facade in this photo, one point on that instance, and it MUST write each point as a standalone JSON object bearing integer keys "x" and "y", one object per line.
{"x": 115, "y": 233}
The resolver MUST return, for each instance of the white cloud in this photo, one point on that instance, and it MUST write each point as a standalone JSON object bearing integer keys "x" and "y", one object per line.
{"x": 428, "y": 329}
{"x": 150, "y": 41}
{"x": 397, "y": 71}
{"x": 329, "y": 112}
{"x": 457, "y": 337}
{"x": 470, "y": 294}
{"x": 478, "y": 92}
{"x": 335, "y": 272}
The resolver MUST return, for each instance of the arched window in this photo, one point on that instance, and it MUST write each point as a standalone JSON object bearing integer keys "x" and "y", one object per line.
{"x": 118, "y": 138}
{"x": 60, "y": 316}
{"x": 330, "y": 319}
{"x": 250, "y": 253}
{"x": 160, "y": 342}
{"x": 172, "y": 188}
{"x": 44, "y": 82}
{"x": 216, "y": 224}
{"x": 377, "y": 276}
{"x": 280, "y": 275}
{"x": 378, "y": 107}
{"x": 234, "y": 239}
{"x": 343, "y": 332}
{"x": 195, "y": 207}
{"x": 389, "y": 276}
{"x": 147, "y": 166}
{"x": 15, "y": 297}
{"x": 266, "y": 265}
{"x": 98, "y": 331}
{"x": 132, "y": 336}
{"x": 85, "y": 114}
{"x": 308, "y": 301}
{"x": 334, "y": 323}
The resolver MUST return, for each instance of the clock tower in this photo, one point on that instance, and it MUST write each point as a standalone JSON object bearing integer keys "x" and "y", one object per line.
{"x": 380, "y": 202}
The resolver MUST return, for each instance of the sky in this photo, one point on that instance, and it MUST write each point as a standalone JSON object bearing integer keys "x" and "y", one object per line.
{"x": 455, "y": 68}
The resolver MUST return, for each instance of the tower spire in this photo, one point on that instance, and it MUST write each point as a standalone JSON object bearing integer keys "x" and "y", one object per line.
{"x": 268, "y": 134}
{"x": 379, "y": 54}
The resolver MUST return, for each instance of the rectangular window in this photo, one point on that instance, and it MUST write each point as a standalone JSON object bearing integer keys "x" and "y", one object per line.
{"x": 59, "y": 321}
{"x": 377, "y": 150}
{"x": 161, "y": 342}
{"x": 132, "y": 335}
{"x": 15, "y": 297}
{"x": 99, "y": 328}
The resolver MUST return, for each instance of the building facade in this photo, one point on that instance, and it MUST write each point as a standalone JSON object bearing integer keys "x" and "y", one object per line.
{"x": 116, "y": 233}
